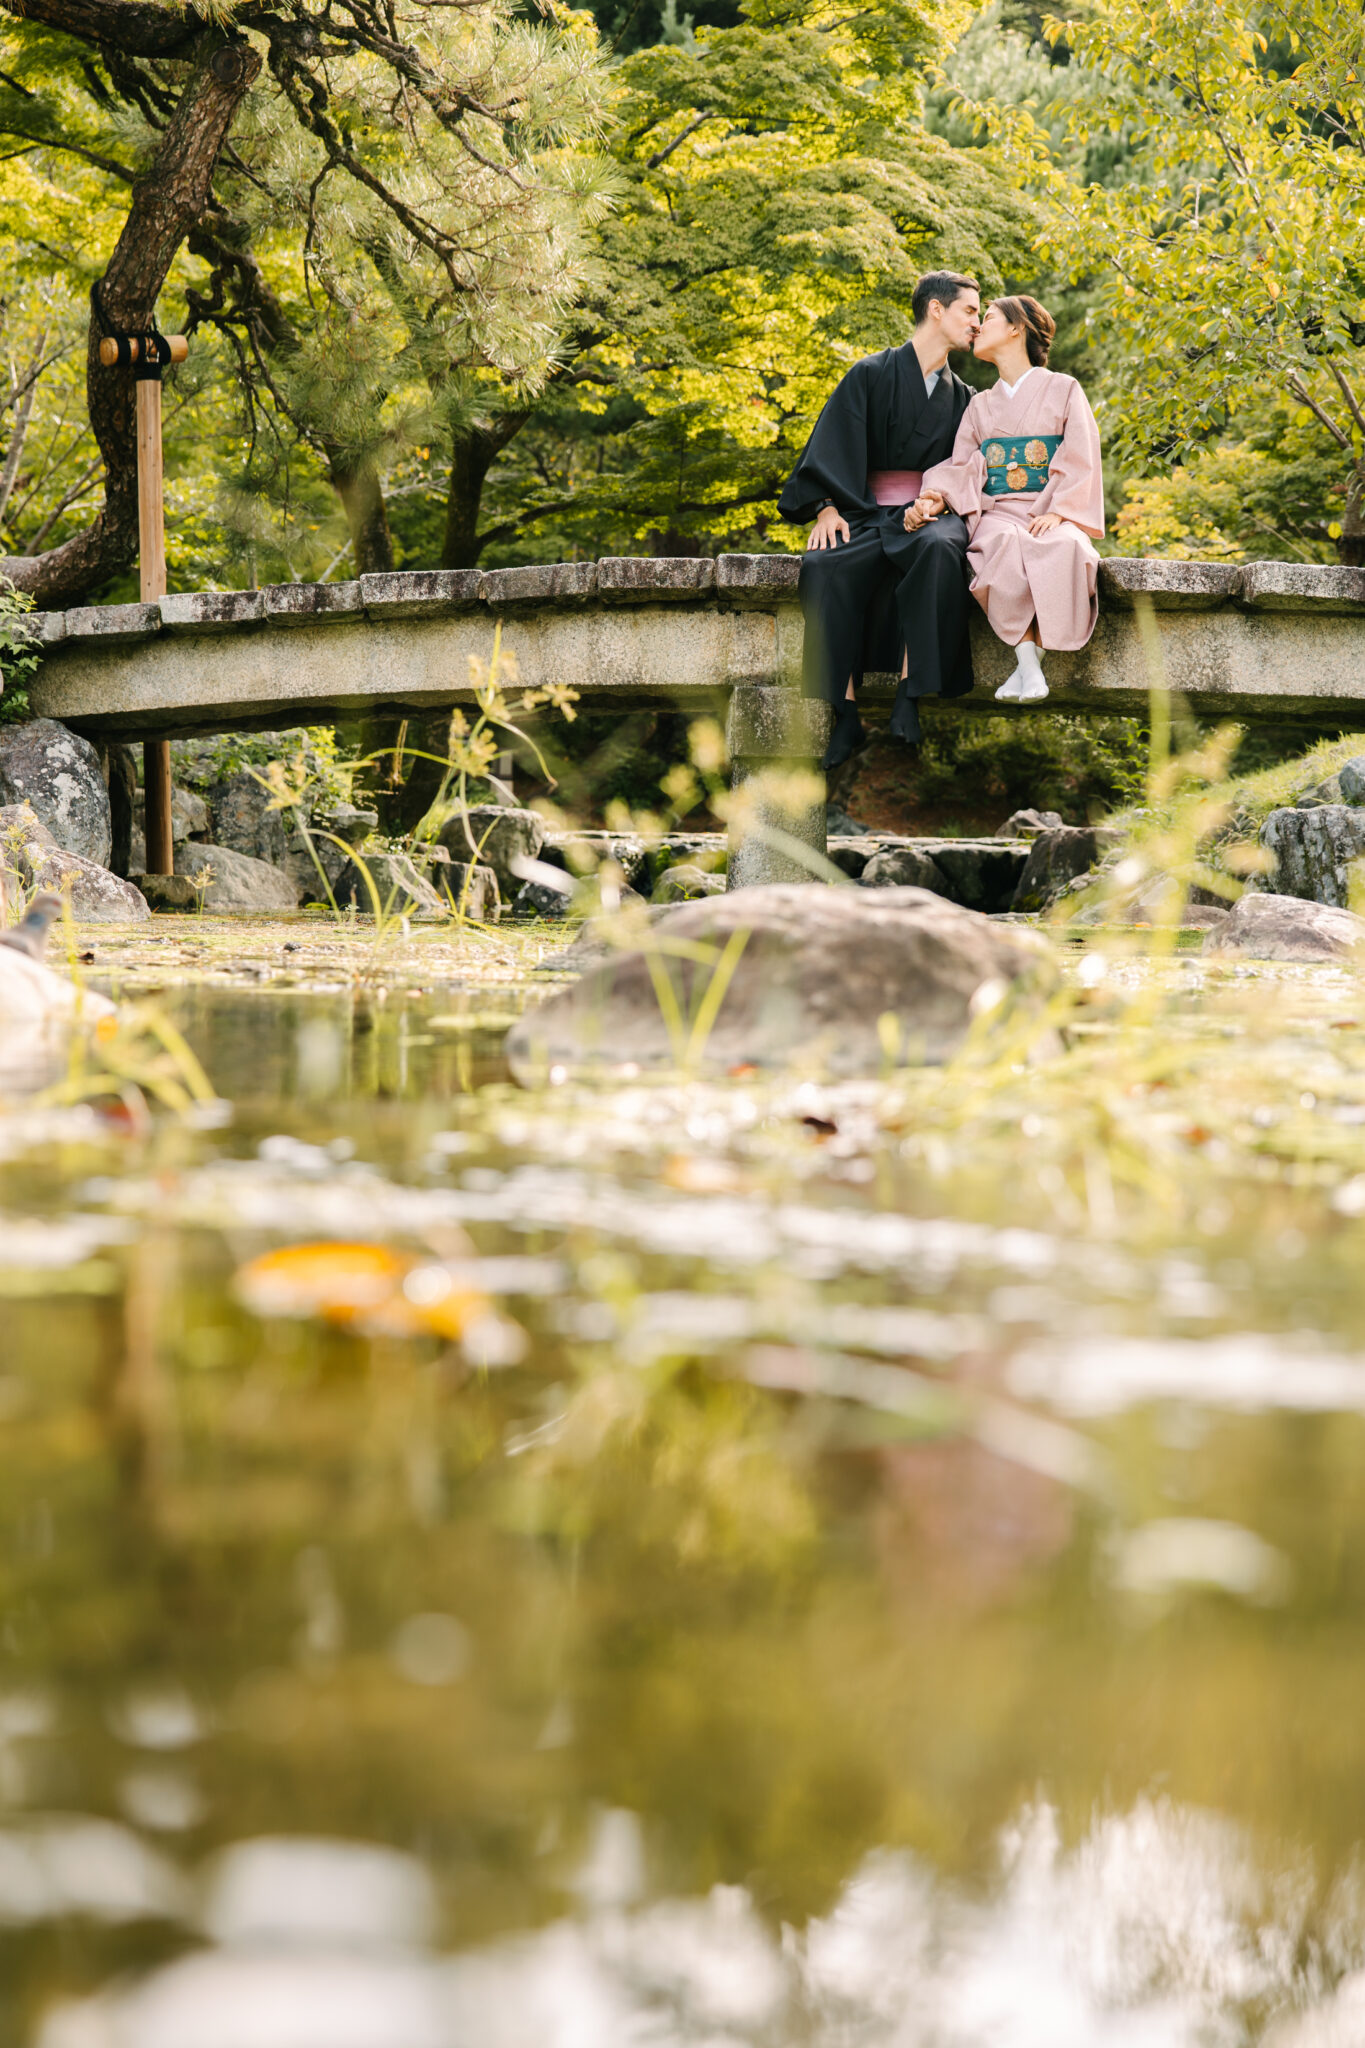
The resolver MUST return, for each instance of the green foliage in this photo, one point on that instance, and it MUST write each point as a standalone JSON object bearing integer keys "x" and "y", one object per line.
{"x": 1263, "y": 498}
{"x": 1224, "y": 262}
{"x": 1082, "y": 767}
{"x": 399, "y": 216}
{"x": 780, "y": 196}
{"x": 202, "y": 763}
{"x": 18, "y": 654}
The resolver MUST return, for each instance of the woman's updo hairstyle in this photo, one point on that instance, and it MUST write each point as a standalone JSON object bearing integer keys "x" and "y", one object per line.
{"x": 1038, "y": 325}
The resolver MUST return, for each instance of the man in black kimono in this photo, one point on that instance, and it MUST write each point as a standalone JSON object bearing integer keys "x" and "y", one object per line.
{"x": 875, "y": 596}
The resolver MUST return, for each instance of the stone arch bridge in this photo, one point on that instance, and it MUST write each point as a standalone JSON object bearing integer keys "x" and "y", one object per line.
{"x": 1256, "y": 640}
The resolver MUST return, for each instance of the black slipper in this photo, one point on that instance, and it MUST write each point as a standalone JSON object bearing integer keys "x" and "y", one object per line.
{"x": 848, "y": 735}
{"x": 905, "y": 724}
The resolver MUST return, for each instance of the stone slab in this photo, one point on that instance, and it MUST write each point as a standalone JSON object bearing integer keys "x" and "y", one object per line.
{"x": 308, "y": 604}
{"x": 1128, "y": 581}
{"x": 1302, "y": 587}
{"x": 420, "y": 593}
{"x": 211, "y": 611}
{"x": 757, "y": 579}
{"x": 633, "y": 579}
{"x": 555, "y": 583}
{"x": 112, "y": 623}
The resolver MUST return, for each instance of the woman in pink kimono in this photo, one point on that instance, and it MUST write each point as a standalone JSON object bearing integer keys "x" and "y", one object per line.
{"x": 1025, "y": 475}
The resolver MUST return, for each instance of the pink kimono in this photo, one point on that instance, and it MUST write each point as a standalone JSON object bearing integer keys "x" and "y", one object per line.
{"x": 1021, "y": 451}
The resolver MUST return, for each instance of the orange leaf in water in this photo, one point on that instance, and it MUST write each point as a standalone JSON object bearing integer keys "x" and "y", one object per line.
{"x": 342, "y": 1283}
{"x": 364, "y": 1287}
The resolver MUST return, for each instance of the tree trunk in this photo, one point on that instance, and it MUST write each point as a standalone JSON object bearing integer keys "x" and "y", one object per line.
{"x": 473, "y": 450}
{"x": 166, "y": 204}
{"x": 1351, "y": 546}
{"x": 362, "y": 499}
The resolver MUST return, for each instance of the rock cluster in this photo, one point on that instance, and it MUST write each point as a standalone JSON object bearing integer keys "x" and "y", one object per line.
{"x": 840, "y": 981}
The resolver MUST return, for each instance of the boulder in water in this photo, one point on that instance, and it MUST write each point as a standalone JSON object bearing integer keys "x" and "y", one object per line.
{"x": 1055, "y": 859}
{"x": 401, "y": 889}
{"x": 1264, "y": 927}
{"x": 817, "y": 972}
{"x": 58, "y": 774}
{"x": 235, "y": 880}
{"x": 1028, "y": 824}
{"x": 685, "y": 883}
{"x": 1314, "y": 851}
{"x": 495, "y": 835}
{"x": 30, "y": 853}
{"x": 905, "y": 867}
{"x": 243, "y": 820}
{"x": 98, "y": 896}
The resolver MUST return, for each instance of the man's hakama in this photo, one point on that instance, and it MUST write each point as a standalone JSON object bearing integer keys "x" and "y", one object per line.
{"x": 884, "y": 593}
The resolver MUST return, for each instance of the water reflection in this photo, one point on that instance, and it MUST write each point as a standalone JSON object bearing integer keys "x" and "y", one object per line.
{"x": 1162, "y": 1927}
{"x": 799, "y": 1608}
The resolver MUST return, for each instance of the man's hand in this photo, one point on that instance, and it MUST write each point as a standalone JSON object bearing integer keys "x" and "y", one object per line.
{"x": 928, "y": 505}
{"x": 829, "y": 529}
{"x": 1045, "y": 522}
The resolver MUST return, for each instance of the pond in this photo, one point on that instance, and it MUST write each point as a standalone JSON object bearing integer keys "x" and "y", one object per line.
{"x": 734, "y": 1563}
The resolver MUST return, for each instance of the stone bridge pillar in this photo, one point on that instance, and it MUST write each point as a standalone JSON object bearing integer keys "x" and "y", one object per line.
{"x": 776, "y": 738}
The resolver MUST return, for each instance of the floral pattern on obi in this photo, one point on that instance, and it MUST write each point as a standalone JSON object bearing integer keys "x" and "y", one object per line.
{"x": 1019, "y": 464}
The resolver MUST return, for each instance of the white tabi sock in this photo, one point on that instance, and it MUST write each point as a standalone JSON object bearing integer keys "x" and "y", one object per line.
{"x": 1032, "y": 682}
{"x": 1027, "y": 685}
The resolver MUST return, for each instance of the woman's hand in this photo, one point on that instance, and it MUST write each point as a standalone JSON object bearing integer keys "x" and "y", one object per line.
{"x": 927, "y": 506}
{"x": 1044, "y": 522}
{"x": 828, "y": 529}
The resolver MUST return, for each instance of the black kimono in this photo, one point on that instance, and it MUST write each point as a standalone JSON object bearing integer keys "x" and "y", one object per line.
{"x": 883, "y": 591}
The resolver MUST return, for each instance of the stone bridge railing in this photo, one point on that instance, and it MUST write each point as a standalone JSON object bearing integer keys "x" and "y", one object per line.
{"x": 1261, "y": 639}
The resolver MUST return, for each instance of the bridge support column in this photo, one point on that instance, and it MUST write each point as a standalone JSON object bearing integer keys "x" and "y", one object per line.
{"x": 776, "y": 738}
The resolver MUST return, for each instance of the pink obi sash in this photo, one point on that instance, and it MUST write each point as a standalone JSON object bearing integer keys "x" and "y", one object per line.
{"x": 895, "y": 486}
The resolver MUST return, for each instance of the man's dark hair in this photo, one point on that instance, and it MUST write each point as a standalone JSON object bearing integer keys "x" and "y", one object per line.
{"x": 943, "y": 285}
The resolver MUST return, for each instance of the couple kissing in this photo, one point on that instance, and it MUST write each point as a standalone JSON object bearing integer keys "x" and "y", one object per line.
{"x": 924, "y": 495}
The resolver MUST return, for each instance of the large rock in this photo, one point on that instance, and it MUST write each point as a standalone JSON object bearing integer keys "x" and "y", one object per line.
{"x": 983, "y": 874}
{"x": 469, "y": 889}
{"x": 1313, "y": 851}
{"x": 496, "y": 836}
{"x": 1028, "y": 824}
{"x": 98, "y": 896}
{"x": 236, "y": 880}
{"x": 58, "y": 773}
{"x": 905, "y": 867}
{"x": 1056, "y": 857}
{"x": 244, "y": 821}
{"x": 851, "y": 856}
{"x": 30, "y": 854}
{"x": 1351, "y": 780}
{"x": 1263, "y": 927}
{"x": 685, "y": 883}
{"x": 401, "y": 889}
{"x": 819, "y": 970}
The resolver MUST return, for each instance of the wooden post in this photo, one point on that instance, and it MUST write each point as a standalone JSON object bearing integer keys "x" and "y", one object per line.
{"x": 151, "y": 543}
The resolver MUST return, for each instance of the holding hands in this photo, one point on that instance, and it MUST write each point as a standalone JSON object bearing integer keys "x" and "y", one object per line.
{"x": 927, "y": 506}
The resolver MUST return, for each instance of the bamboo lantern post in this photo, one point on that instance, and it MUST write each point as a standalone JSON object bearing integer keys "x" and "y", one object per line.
{"x": 148, "y": 354}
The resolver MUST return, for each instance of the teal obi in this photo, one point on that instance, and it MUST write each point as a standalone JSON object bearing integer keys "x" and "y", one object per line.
{"x": 1018, "y": 464}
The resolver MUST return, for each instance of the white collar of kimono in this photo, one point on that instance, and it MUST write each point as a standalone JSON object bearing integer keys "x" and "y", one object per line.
{"x": 1012, "y": 388}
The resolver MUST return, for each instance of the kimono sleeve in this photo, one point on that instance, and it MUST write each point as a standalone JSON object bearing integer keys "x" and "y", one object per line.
{"x": 833, "y": 464}
{"x": 962, "y": 478}
{"x": 1075, "y": 486}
